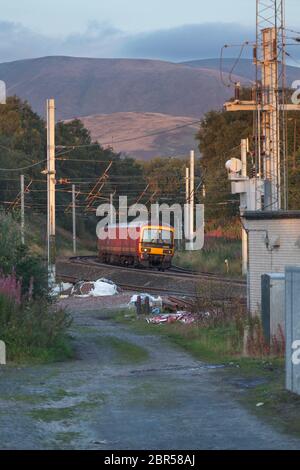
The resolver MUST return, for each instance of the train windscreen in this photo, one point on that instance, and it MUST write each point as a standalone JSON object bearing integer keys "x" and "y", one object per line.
{"x": 158, "y": 237}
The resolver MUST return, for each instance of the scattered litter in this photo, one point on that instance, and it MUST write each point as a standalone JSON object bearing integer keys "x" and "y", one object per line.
{"x": 62, "y": 290}
{"x": 186, "y": 318}
{"x": 259, "y": 405}
{"x": 174, "y": 304}
{"x": 101, "y": 288}
{"x": 156, "y": 311}
{"x": 154, "y": 302}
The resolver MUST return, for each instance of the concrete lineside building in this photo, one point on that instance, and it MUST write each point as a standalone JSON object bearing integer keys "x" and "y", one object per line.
{"x": 273, "y": 244}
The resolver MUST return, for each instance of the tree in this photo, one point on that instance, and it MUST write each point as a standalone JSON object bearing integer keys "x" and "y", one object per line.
{"x": 14, "y": 257}
{"x": 219, "y": 140}
{"x": 165, "y": 177}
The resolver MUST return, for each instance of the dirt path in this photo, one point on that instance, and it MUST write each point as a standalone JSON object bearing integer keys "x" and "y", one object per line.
{"x": 125, "y": 391}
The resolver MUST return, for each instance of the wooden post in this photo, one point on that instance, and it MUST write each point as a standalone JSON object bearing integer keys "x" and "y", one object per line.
{"x": 138, "y": 305}
{"x": 2, "y": 353}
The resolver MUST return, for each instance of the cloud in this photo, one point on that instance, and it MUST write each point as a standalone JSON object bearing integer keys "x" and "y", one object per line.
{"x": 99, "y": 40}
{"x": 18, "y": 42}
{"x": 102, "y": 40}
{"x": 187, "y": 42}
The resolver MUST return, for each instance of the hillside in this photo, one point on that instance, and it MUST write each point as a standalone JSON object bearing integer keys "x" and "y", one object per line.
{"x": 244, "y": 68}
{"x": 84, "y": 87}
{"x": 127, "y": 133}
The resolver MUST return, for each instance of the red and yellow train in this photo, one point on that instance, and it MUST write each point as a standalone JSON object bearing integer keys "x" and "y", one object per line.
{"x": 151, "y": 245}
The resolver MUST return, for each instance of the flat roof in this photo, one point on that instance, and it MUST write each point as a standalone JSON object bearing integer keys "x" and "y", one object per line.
{"x": 269, "y": 215}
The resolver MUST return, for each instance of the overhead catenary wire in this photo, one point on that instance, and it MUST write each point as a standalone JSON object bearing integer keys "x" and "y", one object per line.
{"x": 230, "y": 73}
{"x": 24, "y": 167}
{"x": 131, "y": 139}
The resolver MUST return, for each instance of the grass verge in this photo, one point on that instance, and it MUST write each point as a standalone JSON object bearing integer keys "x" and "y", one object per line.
{"x": 218, "y": 255}
{"x": 258, "y": 383}
{"x": 125, "y": 351}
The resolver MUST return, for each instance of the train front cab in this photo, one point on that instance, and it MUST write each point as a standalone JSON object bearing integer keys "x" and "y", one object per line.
{"x": 156, "y": 246}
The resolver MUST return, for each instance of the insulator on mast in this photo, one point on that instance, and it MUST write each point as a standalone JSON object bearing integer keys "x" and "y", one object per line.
{"x": 237, "y": 91}
{"x": 255, "y": 54}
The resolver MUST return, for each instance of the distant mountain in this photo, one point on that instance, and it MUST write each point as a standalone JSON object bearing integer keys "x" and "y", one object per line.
{"x": 244, "y": 68}
{"x": 144, "y": 135}
{"x": 84, "y": 87}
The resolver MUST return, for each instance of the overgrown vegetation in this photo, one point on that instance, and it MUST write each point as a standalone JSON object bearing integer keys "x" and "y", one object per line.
{"x": 34, "y": 331}
{"x": 16, "y": 258}
{"x": 222, "y": 331}
{"x": 31, "y": 327}
{"x": 225, "y": 336}
{"x": 219, "y": 255}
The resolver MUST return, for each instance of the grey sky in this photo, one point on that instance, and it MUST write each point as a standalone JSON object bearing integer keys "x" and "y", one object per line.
{"x": 166, "y": 29}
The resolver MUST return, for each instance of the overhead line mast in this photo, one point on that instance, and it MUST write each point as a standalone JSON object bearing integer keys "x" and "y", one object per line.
{"x": 269, "y": 104}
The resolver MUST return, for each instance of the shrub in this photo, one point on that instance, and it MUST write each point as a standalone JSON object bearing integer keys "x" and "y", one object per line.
{"x": 11, "y": 287}
{"x": 14, "y": 257}
{"x": 33, "y": 330}
{"x": 33, "y": 273}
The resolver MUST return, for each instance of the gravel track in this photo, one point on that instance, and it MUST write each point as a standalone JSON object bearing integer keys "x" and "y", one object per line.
{"x": 156, "y": 397}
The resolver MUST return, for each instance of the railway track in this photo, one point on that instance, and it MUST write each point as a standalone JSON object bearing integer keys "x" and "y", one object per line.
{"x": 175, "y": 271}
{"x": 151, "y": 290}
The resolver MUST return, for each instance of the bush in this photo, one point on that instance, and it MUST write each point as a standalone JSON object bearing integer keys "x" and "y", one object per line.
{"x": 33, "y": 330}
{"x": 32, "y": 271}
{"x": 14, "y": 257}
{"x": 11, "y": 287}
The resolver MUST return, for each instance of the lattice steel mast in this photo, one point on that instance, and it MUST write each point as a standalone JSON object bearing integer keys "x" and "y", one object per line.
{"x": 270, "y": 58}
{"x": 269, "y": 105}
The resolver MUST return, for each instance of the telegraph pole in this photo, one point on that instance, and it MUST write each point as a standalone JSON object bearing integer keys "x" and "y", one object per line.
{"x": 74, "y": 218}
{"x": 244, "y": 151}
{"x": 187, "y": 201}
{"x": 111, "y": 199}
{"x": 22, "y": 210}
{"x": 51, "y": 175}
{"x": 192, "y": 191}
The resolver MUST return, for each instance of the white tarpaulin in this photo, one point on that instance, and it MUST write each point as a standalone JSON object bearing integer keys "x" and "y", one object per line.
{"x": 100, "y": 288}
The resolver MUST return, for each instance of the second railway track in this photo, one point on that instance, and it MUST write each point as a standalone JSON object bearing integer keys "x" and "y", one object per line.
{"x": 177, "y": 281}
{"x": 175, "y": 271}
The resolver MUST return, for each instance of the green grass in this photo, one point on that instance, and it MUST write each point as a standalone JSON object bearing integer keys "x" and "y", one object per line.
{"x": 212, "y": 257}
{"x": 210, "y": 344}
{"x": 263, "y": 378}
{"x": 34, "y": 332}
{"x": 49, "y": 415}
{"x": 124, "y": 351}
{"x": 61, "y": 350}
{"x": 280, "y": 407}
{"x": 56, "y": 414}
